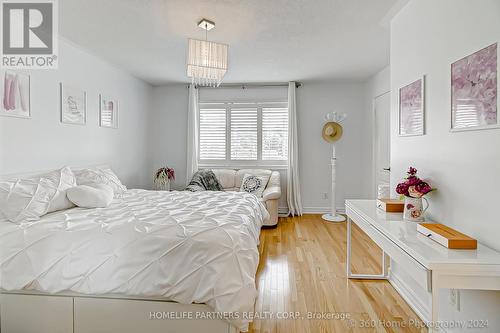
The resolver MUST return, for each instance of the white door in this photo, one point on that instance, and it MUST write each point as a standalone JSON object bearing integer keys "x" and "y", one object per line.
{"x": 382, "y": 139}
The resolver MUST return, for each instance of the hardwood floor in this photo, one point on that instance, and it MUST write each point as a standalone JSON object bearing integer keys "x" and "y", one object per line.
{"x": 302, "y": 273}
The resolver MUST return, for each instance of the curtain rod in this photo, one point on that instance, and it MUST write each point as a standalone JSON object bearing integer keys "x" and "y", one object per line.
{"x": 253, "y": 85}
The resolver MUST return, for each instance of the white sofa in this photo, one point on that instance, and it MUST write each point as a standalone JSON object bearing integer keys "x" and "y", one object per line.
{"x": 231, "y": 181}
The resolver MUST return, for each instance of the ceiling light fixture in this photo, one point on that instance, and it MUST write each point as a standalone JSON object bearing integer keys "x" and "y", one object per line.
{"x": 207, "y": 61}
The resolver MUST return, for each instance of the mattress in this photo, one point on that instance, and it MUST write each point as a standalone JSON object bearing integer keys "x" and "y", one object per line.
{"x": 181, "y": 246}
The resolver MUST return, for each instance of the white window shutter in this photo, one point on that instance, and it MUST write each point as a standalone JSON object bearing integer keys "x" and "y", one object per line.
{"x": 244, "y": 134}
{"x": 212, "y": 134}
{"x": 274, "y": 134}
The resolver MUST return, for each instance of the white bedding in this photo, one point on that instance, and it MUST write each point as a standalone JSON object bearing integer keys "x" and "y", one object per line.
{"x": 186, "y": 247}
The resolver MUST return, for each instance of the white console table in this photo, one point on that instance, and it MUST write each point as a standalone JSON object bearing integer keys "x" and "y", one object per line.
{"x": 432, "y": 265}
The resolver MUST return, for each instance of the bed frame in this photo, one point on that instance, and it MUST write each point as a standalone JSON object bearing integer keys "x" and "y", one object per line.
{"x": 28, "y": 311}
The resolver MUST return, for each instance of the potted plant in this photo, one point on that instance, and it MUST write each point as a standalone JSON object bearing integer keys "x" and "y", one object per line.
{"x": 413, "y": 189}
{"x": 163, "y": 178}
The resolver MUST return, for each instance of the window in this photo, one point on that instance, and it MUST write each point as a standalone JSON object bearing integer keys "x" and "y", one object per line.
{"x": 274, "y": 133}
{"x": 212, "y": 134}
{"x": 243, "y": 134}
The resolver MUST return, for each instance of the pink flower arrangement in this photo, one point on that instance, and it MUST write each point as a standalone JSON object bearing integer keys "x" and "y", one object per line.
{"x": 163, "y": 177}
{"x": 167, "y": 172}
{"x": 413, "y": 186}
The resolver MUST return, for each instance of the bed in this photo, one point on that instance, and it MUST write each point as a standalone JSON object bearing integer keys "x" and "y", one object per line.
{"x": 131, "y": 265}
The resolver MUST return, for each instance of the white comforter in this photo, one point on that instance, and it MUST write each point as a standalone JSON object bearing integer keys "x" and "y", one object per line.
{"x": 182, "y": 246}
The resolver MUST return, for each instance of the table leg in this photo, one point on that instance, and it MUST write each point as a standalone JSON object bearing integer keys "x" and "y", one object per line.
{"x": 348, "y": 259}
{"x": 351, "y": 275}
{"x": 435, "y": 303}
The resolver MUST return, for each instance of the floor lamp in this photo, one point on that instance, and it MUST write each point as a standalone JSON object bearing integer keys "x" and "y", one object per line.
{"x": 332, "y": 132}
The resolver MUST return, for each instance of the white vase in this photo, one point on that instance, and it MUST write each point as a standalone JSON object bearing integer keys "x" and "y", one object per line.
{"x": 163, "y": 186}
{"x": 414, "y": 209}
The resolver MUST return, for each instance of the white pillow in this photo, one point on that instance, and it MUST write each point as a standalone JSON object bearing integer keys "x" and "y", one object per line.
{"x": 64, "y": 181}
{"x": 100, "y": 176}
{"x": 30, "y": 198}
{"x": 95, "y": 196}
{"x": 254, "y": 184}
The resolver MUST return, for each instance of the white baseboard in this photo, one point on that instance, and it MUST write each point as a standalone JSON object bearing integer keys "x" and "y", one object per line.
{"x": 414, "y": 302}
{"x": 321, "y": 210}
{"x": 283, "y": 211}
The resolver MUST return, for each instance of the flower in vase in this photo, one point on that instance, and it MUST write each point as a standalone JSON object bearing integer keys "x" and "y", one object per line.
{"x": 402, "y": 189}
{"x": 163, "y": 177}
{"x": 412, "y": 180}
{"x": 412, "y": 191}
{"x": 412, "y": 186}
{"x": 423, "y": 188}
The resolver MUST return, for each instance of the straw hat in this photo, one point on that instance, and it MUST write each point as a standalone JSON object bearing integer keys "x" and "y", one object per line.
{"x": 332, "y": 131}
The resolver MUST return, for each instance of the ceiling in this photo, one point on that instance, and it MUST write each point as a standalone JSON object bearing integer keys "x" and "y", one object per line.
{"x": 269, "y": 40}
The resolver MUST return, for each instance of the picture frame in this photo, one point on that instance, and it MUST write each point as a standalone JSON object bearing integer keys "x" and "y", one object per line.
{"x": 16, "y": 94}
{"x": 108, "y": 112}
{"x": 474, "y": 102}
{"x": 73, "y": 104}
{"x": 411, "y": 108}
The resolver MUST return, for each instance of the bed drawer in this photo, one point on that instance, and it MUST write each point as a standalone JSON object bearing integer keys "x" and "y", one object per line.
{"x": 35, "y": 314}
{"x": 406, "y": 262}
{"x": 101, "y": 315}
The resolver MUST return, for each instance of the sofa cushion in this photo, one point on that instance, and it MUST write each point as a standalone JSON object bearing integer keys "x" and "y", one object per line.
{"x": 256, "y": 172}
{"x": 254, "y": 184}
{"x": 232, "y": 189}
{"x": 226, "y": 177}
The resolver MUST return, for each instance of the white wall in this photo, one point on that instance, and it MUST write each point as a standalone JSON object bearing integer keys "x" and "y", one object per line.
{"x": 43, "y": 142}
{"x": 426, "y": 37}
{"x": 314, "y": 100}
{"x": 168, "y": 132}
{"x": 250, "y": 93}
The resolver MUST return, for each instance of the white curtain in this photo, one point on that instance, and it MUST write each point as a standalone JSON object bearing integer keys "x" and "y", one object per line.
{"x": 293, "y": 183}
{"x": 192, "y": 133}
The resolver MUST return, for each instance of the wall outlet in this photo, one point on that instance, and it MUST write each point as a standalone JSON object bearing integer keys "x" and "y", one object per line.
{"x": 455, "y": 298}
{"x": 324, "y": 196}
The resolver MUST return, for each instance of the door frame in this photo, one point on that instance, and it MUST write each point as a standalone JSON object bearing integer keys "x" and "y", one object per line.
{"x": 374, "y": 142}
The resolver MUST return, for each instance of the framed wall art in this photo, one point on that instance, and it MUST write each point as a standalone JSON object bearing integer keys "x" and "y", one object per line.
{"x": 16, "y": 94}
{"x": 411, "y": 108}
{"x": 108, "y": 112}
{"x": 73, "y": 105}
{"x": 474, "y": 100}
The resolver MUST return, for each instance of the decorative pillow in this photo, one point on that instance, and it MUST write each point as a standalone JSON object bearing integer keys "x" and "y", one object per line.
{"x": 95, "y": 196}
{"x": 64, "y": 181}
{"x": 254, "y": 184}
{"x": 30, "y": 198}
{"x": 100, "y": 176}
